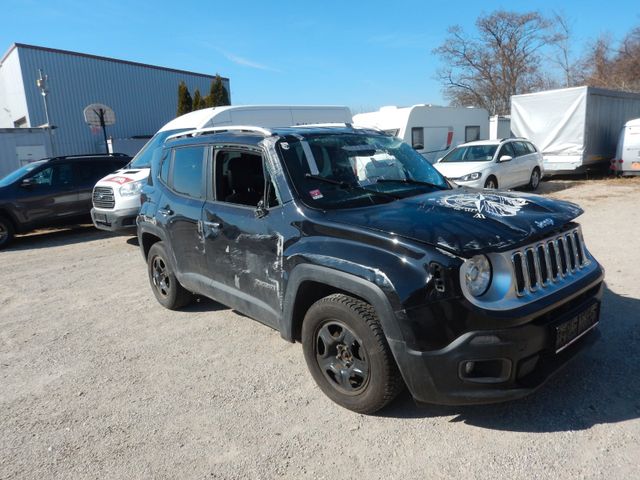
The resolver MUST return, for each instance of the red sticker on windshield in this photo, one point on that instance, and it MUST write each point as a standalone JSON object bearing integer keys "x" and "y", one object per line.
{"x": 315, "y": 194}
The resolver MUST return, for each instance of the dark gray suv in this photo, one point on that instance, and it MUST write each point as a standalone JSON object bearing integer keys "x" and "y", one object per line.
{"x": 51, "y": 192}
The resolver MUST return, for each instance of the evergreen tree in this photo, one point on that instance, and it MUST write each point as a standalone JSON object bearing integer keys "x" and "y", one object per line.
{"x": 218, "y": 95}
{"x": 198, "y": 101}
{"x": 185, "y": 103}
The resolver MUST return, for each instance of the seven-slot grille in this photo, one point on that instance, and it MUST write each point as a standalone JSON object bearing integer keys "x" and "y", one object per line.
{"x": 103, "y": 197}
{"x": 549, "y": 261}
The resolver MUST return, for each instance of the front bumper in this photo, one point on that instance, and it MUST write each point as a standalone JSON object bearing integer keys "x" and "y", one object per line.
{"x": 115, "y": 220}
{"x": 518, "y": 359}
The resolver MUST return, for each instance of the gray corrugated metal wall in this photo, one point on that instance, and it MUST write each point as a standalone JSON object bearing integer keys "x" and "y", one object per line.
{"x": 143, "y": 98}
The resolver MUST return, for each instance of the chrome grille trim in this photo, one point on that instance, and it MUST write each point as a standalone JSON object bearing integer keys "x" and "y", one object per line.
{"x": 103, "y": 197}
{"x": 569, "y": 251}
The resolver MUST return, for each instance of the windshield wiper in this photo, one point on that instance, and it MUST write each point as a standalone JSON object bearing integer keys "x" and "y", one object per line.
{"x": 410, "y": 182}
{"x": 351, "y": 186}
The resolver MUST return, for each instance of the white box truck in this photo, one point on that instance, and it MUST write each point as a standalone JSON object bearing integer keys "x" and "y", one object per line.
{"x": 116, "y": 197}
{"x": 431, "y": 130}
{"x": 576, "y": 129}
{"x": 627, "y": 159}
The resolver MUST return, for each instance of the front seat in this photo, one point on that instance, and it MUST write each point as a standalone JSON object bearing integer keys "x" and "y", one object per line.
{"x": 242, "y": 172}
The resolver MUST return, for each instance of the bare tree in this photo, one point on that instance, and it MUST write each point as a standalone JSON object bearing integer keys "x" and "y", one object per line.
{"x": 563, "y": 56}
{"x": 503, "y": 59}
{"x": 614, "y": 67}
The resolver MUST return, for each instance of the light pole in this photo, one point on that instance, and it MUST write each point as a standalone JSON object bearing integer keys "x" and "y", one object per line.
{"x": 41, "y": 82}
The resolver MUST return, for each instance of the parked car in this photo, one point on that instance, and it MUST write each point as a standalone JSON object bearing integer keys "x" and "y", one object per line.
{"x": 504, "y": 163}
{"x": 51, "y": 192}
{"x": 116, "y": 198}
{"x": 350, "y": 242}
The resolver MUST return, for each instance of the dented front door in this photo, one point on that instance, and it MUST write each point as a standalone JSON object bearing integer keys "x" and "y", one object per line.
{"x": 244, "y": 259}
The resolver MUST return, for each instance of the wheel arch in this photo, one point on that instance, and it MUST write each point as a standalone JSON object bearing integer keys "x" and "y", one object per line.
{"x": 5, "y": 213}
{"x": 309, "y": 283}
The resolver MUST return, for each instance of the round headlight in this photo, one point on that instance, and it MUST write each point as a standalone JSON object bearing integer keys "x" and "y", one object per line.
{"x": 477, "y": 274}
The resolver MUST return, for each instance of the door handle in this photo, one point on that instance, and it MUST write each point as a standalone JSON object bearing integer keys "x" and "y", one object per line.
{"x": 165, "y": 211}
{"x": 212, "y": 224}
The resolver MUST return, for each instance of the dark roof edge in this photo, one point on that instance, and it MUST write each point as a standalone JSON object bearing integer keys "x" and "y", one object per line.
{"x": 99, "y": 57}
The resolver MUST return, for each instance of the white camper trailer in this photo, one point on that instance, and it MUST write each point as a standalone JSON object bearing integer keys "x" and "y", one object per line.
{"x": 431, "y": 130}
{"x": 575, "y": 128}
{"x": 627, "y": 159}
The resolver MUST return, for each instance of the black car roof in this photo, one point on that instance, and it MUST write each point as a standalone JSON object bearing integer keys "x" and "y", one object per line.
{"x": 89, "y": 157}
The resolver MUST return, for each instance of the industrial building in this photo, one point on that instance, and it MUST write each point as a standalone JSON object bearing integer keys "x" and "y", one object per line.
{"x": 143, "y": 97}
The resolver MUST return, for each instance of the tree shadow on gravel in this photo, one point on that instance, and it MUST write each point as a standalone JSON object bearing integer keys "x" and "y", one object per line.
{"x": 56, "y": 237}
{"x": 599, "y": 386}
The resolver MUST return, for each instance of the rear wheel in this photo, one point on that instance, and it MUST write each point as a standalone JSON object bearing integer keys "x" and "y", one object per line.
{"x": 348, "y": 355}
{"x": 168, "y": 291}
{"x": 534, "y": 181}
{"x": 6, "y": 231}
{"x": 491, "y": 183}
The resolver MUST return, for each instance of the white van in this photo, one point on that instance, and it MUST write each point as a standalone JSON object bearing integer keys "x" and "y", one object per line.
{"x": 627, "y": 159}
{"x": 116, "y": 197}
{"x": 429, "y": 129}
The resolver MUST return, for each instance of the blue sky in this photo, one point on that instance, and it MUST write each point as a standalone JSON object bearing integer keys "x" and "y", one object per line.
{"x": 360, "y": 54}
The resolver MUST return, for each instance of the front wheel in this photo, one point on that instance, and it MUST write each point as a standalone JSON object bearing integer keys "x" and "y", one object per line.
{"x": 348, "y": 355}
{"x": 6, "y": 232}
{"x": 491, "y": 183}
{"x": 168, "y": 291}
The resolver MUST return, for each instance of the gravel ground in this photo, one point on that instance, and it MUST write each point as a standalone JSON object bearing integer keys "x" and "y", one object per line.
{"x": 98, "y": 381}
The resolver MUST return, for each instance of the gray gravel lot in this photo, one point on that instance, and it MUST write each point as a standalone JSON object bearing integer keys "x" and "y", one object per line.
{"x": 98, "y": 381}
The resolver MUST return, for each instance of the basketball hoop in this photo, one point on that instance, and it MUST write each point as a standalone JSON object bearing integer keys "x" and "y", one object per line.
{"x": 99, "y": 115}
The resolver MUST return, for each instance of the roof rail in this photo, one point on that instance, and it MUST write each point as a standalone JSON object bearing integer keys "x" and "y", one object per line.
{"x": 88, "y": 155}
{"x": 229, "y": 128}
{"x": 513, "y": 138}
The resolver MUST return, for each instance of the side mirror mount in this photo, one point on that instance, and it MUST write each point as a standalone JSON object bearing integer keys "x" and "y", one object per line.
{"x": 505, "y": 158}
{"x": 27, "y": 182}
{"x": 261, "y": 210}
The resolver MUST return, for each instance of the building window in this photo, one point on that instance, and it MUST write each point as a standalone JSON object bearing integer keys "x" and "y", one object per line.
{"x": 417, "y": 138}
{"x": 20, "y": 123}
{"x": 471, "y": 133}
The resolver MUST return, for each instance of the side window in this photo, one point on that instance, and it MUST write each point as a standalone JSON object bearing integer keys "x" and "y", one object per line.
{"x": 240, "y": 178}
{"x": 530, "y": 147}
{"x": 164, "y": 168}
{"x": 506, "y": 149}
{"x": 520, "y": 149}
{"x": 60, "y": 175}
{"x": 417, "y": 138}
{"x": 186, "y": 175}
{"x": 89, "y": 172}
{"x": 471, "y": 133}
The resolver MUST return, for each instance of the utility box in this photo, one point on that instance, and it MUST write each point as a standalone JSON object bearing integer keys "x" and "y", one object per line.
{"x": 576, "y": 129}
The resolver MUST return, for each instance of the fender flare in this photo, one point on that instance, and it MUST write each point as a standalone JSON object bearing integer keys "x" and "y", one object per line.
{"x": 350, "y": 283}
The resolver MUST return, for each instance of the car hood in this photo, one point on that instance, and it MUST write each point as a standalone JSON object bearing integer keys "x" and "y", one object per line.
{"x": 122, "y": 176}
{"x": 465, "y": 221}
{"x": 458, "y": 169}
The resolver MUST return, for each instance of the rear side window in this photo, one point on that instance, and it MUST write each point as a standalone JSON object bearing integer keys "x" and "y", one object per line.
{"x": 471, "y": 133}
{"x": 186, "y": 176}
{"x": 530, "y": 147}
{"x": 520, "y": 148}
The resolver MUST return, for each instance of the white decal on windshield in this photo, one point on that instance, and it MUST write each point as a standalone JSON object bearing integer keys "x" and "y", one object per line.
{"x": 484, "y": 203}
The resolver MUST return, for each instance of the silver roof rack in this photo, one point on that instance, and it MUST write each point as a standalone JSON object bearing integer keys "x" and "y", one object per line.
{"x": 229, "y": 128}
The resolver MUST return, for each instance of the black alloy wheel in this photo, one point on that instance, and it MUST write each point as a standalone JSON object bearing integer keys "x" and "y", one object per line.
{"x": 166, "y": 288}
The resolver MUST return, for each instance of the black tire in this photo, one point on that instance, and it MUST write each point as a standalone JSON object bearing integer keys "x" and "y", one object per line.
{"x": 348, "y": 355}
{"x": 6, "y": 232}
{"x": 168, "y": 291}
{"x": 534, "y": 181}
{"x": 491, "y": 183}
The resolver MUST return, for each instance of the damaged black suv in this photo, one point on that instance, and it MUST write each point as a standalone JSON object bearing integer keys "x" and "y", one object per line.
{"x": 350, "y": 242}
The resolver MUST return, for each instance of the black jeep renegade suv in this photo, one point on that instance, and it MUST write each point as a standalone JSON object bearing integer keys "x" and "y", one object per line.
{"x": 350, "y": 242}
